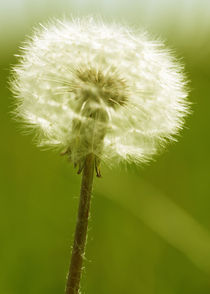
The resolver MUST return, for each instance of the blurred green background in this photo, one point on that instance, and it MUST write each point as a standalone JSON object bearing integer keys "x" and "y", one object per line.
{"x": 150, "y": 227}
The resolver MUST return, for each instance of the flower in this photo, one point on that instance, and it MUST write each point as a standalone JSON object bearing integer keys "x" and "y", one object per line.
{"x": 85, "y": 86}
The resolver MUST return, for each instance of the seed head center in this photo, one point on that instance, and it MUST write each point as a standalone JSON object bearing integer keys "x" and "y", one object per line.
{"x": 101, "y": 87}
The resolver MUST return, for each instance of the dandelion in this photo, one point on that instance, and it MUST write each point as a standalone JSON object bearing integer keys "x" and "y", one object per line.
{"x": 98, "y": 92}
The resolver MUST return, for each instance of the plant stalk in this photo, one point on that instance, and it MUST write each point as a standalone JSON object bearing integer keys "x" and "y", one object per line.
{"x": 80, "y": 237}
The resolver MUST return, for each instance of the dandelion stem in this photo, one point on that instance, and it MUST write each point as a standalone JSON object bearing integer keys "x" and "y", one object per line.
{"x": 78, "y": 252}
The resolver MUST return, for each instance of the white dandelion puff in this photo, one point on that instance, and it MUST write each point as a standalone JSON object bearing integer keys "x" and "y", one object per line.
{"x": 86, "y": 86}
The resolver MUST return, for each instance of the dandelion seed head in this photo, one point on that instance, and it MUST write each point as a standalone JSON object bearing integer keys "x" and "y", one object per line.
{"x": 86, "y": 86}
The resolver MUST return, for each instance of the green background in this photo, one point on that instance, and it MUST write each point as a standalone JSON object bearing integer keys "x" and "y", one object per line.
{"x": 150, "y": 226}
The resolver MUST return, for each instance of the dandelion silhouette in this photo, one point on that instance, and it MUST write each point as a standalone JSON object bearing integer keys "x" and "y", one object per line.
{"x": 98, "y": 92}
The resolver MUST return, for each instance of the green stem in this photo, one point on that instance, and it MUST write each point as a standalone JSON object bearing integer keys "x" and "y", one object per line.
{"x": 78, "y": 252}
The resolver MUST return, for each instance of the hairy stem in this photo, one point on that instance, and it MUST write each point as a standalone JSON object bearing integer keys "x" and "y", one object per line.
{"x": 78, "y": 252}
